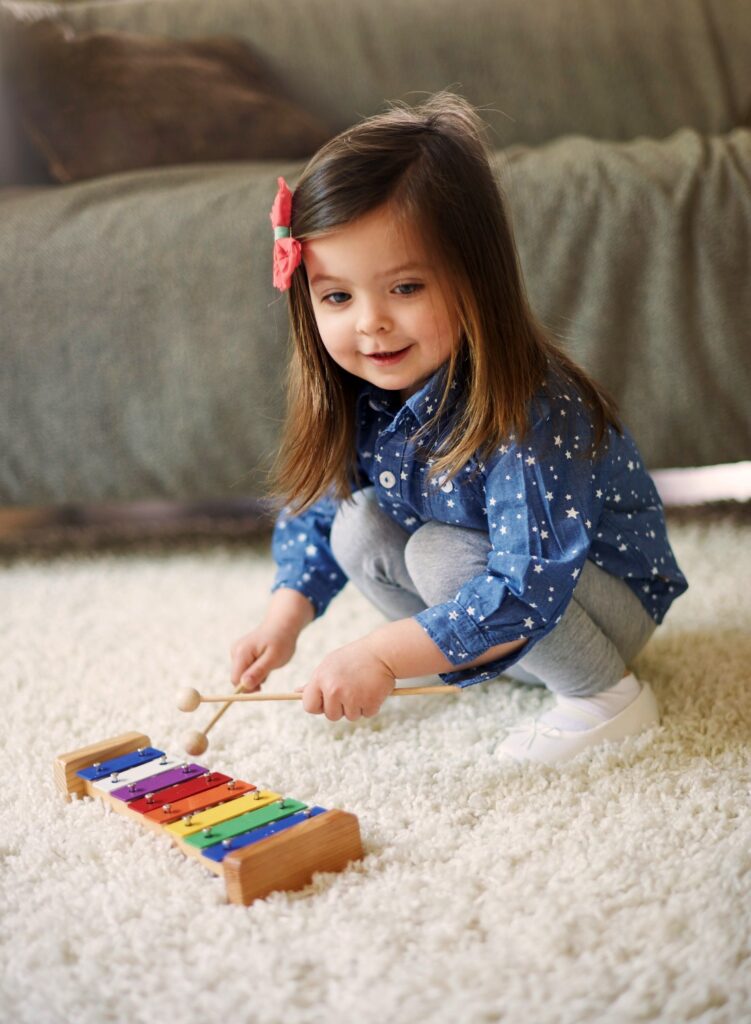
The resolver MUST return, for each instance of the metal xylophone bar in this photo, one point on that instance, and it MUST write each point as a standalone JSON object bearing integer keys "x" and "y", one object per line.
{"x": 258, "y": 840}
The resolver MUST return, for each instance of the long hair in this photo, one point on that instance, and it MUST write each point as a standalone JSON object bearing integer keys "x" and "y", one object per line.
{"x": 430, "y": 165}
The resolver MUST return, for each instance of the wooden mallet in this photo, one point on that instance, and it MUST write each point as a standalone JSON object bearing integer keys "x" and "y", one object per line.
{"x": 196, "y": 742}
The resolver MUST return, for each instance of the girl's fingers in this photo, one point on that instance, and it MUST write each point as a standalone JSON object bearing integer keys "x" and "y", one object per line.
{"x": 256, "y": 673}
{"x": 312, "y": 699}
{"x": 335, "y": 711}
{"x": 241, "y": 661}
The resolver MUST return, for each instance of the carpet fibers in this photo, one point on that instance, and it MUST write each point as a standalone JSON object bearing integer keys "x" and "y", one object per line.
{"x": 616, "y": 888}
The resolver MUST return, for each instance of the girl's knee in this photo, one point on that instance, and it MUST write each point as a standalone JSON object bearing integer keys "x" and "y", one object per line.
{"x": 440, "y": 558}
{"x": 419, "y": 556}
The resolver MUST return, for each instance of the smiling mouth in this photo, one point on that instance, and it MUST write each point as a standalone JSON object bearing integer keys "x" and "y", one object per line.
{"x": 388, "y": 357}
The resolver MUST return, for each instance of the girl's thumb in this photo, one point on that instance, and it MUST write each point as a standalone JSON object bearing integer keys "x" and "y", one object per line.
{"x": 249, "y": 678}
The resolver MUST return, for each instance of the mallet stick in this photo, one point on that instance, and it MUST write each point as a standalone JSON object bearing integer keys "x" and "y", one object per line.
{"x": 398, "y": 691}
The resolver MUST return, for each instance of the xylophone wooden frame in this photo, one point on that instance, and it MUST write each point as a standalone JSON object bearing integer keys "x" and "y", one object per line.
{"x": 287, "y": 861}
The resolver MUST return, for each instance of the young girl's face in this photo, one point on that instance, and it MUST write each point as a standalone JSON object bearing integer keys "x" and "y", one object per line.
{"x": 382, "y": 309}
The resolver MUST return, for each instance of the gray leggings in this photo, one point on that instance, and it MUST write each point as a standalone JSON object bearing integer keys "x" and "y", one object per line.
{"x": 605, "y": 625}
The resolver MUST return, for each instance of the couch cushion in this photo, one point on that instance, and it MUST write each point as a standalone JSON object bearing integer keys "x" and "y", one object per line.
{"x": 637, "y": 256}
{"x": 538, "y": 70}
{"x": 105, "y": 102}
{"x": 541, "y": 69}
{"x": 144, "y": 345}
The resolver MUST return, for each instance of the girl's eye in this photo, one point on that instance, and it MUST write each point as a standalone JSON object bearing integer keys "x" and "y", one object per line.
{"x": 339, "y": 298}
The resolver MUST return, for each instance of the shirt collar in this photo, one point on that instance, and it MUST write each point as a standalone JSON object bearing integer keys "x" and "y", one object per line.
{"x": 422, "y": 404}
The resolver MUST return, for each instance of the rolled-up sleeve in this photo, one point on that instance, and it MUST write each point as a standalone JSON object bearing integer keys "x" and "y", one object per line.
{"x": 542, "y": 501}
{"x": 301, "y": 549}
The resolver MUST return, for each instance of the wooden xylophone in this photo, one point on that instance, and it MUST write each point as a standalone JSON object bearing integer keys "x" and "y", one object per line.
{"x": 258, "y": 840}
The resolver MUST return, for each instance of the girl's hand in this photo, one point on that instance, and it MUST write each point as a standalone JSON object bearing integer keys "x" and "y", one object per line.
{"x": 271, "y": 644}
{"x": 254, "y": 655}
{"x": 351, "y": 682}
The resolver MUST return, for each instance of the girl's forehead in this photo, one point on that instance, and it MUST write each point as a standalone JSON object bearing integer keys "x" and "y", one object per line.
{"x": 378, "y": 238}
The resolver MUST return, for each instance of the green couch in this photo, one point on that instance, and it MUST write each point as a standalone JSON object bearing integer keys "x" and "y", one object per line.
{"x": 143, "y": 347}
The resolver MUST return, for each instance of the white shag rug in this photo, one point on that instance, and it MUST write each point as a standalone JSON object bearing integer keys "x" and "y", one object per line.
{"x": 614, "y": 889}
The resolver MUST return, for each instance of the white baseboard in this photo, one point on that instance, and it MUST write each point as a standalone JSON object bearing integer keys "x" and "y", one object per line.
{"x": 728, "y": 482}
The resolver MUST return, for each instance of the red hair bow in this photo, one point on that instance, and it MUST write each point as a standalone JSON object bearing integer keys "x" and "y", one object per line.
{"x": 287, "y": 250}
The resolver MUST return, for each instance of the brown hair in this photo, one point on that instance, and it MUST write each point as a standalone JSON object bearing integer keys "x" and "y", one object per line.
{"x": 430, "y": 165}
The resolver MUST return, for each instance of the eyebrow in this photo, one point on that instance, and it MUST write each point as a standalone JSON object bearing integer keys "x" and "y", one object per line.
{"x": 385, "y": 273}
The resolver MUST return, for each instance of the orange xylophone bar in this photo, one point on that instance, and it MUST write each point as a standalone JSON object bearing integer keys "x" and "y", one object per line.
{"x": 257, "y": 840}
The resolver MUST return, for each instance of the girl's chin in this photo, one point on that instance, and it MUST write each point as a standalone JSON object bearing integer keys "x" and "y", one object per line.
{"x": 405, "y": 384}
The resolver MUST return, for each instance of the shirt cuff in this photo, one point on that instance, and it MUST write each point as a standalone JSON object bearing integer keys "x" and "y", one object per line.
{"x": 319, "y": 592}
{"x": 460, "y": 638}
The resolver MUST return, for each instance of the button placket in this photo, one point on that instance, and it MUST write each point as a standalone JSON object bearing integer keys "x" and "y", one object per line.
{"x": 386, "y": 439}
{"x": 406, "y": 456}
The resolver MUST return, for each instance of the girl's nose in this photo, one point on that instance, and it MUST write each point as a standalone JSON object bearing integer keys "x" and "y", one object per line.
{"x": 372, "y": 319}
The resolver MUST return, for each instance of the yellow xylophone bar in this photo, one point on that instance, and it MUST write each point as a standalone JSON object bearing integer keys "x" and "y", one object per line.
{"x": 284, "y": 861}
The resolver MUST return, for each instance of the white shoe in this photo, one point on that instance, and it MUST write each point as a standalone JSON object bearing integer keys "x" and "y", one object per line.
{"x": 547, "y": 744}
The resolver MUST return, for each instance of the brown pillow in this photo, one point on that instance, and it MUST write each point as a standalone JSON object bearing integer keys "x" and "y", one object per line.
{"x": 105, "y": 102}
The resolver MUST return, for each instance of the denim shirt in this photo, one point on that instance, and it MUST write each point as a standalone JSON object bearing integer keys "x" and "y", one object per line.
{"x": 546, "y": 510}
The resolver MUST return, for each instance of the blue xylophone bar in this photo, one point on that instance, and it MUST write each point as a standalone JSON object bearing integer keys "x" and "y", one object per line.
{"x": 119, "y": 764}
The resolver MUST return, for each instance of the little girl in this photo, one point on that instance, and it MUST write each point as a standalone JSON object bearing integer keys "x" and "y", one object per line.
{"x": 445, "y": 455}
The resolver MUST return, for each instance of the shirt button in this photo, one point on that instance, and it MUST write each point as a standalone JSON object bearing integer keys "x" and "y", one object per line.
{"x": 387, "y": 479}
{"x": 446, "y": 486}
